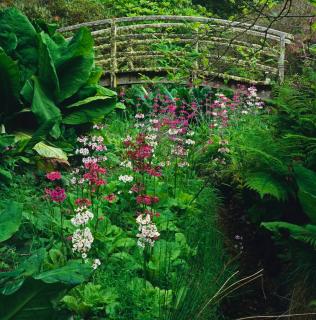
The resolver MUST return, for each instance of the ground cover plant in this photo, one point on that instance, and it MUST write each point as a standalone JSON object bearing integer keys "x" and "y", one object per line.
{"x": 154, "y": 201}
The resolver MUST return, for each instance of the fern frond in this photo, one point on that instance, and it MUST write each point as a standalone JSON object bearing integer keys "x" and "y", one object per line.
{"x": 306, "y": 234}
{"x": 265, "y": 184}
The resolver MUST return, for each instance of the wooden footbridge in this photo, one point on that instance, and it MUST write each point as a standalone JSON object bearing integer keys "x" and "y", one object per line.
{"x": 135, "y": 49}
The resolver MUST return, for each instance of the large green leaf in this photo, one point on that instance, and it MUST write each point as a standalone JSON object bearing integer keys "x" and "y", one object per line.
{"x": 89, "y": 109}
{"x": 11, "y": 281}
{"x": 47, "y": 74}
{"x": 75, "y": 272}
{"x": 44, "y": 108}
{"x": 74, "y": 63}
{"x": 35, "y": 300}
{"x": 10, "y": 220}
{"x": 9, "y": 84}
{"x": 47, "y": 151}
{"x": 306, "y": 181}
{"x": 14, "y": 22}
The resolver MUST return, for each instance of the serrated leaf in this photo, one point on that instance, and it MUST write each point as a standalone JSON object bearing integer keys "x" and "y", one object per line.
{"x": 265, "y": 184}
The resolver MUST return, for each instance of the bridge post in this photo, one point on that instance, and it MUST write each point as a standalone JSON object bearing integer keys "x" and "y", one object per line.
{"x": 113, "y": 53}
{"x": 281, "y": 63}
{"x": 196, "y": 63}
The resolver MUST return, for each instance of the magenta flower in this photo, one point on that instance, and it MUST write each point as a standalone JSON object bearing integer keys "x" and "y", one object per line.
{"x": 54, "y": 175}
{"x": 56, "y": 195}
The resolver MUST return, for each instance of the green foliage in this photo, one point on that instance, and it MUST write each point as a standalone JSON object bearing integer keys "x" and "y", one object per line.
{"x": 265, "y": 184}
{"x": 10, "y": 220}
{"x": 74, "y": 272}
{"x": 34, "y": 299}
{"x": 89, "y": 299}
{"x": 51, "y": 76}
{"x": 306, "y": 234}
{"x": 306, "y": 180}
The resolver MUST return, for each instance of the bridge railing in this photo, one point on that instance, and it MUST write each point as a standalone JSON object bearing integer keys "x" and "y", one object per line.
{"x": 203, "y": 47}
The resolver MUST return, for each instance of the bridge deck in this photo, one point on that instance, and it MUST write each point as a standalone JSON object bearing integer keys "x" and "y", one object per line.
{"x": 131, "y": 49}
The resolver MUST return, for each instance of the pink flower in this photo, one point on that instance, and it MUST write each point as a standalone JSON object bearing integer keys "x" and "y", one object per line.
{"x": 82, "y": 202}
{"x": 54, "y": 175}
{"x": 111, "y": 197}
{"x": 56, "y": 195}
{"x": 146, "y": 199}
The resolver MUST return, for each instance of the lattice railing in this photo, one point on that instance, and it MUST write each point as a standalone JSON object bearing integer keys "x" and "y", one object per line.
{"x": 207, "y": 47}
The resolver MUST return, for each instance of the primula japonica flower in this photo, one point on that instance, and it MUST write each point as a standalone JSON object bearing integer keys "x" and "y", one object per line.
{"x": 83, "y": 202}
{"x": 56, "y": 195}
{"x": 93, "y": 174}
{"x": 54, "y": 175}
{"x": 146, "y": 199}
{"x": 111, "y": 197}
{"x": 137, "y": 187}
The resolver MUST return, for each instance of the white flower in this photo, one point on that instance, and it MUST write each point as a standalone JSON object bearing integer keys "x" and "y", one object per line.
{"x": 126, "y": 164}
{"x": 183, "y": 164}
{"x": 148, "y": 232}
{"x": 126, "y": 178}
{"x": 82, "y": 240}
{"x": 190, "y": 133}
{"x": 82, "y": 217}
{"x": 139, "y": 116}
{"x": 139, "y": 125}
{"x": 173, "y": 132}
{"x": 82, "y": 151}
{"x": 189, "y": 142}
{"x": 83, "y": 140}
{"x": 96, "y": 264}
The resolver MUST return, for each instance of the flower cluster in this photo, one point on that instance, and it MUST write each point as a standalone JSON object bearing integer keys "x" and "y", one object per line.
{"x": 91, "y": 148}
{"x": 82, "y": 240}
{"x": 146, "y": 199}
{"x": 54, "y": 175}
{"x": 82, "y": 217}
{"x": 56, "y": 194}
{"x": 94, "y": 174}
{"x": 148, "y": 232}
{"x": 126, "y": 178}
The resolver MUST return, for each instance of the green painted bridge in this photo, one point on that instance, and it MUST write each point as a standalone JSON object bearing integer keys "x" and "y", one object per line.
{"x": 136, "y": 49}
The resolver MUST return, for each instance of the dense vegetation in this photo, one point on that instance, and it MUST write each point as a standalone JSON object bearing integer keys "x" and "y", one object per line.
{"x": 157, "y": 201}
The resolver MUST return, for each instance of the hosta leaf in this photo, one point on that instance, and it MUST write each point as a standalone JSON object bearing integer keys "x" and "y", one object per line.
{"x": 50, "y": 152}
{"x": 10, "y": 220}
